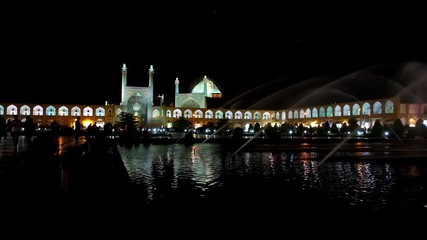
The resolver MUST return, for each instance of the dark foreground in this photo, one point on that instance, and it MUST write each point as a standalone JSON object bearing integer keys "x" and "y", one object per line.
{"x": 85, "y": 186}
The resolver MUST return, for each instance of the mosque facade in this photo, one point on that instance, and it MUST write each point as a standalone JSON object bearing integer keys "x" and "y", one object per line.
{"x": 193, "y": 107}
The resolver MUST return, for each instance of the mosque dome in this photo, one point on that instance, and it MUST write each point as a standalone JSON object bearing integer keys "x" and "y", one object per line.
{"x": 212, "y": 89}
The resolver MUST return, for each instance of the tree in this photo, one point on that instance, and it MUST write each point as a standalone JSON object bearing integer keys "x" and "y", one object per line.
{"x": 237, "y": 133}
{"x": 420, "y": 128}
{"x": 334, "y": 129}
{"x": 251, "y": 128}
{"x": 398, "y": 127}
{"x": 377, "y": 129}
{"x": 127, "y": 121}
{"x": 257, "y": 127}
{"x": 221, "y": 123}
{"x": 326, "y": 128}
{"x": 300, "y": 129}
{"x": 181, "y": 124}
{"x": 344, "y": 129}
{"x": 223, "y": 126}
{"x": 352, "y": 125}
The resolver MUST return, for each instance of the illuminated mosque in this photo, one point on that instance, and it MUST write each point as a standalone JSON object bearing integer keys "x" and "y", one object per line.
{"x": 193, "y": 106}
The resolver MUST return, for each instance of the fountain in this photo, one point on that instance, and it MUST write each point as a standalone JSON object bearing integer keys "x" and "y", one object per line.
{"x": 211, "y": 135}
{"x": 246, "y": 143}
{"x": 334, "y": 90}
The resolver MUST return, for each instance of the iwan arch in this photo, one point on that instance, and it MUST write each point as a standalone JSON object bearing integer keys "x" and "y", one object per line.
{"x": 194, "y": 107}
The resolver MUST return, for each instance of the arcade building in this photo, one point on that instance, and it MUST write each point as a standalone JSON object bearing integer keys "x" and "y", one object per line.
{"x": 193, "y": 106}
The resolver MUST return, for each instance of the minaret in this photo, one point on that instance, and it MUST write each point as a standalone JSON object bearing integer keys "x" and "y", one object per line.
{"x": 176, "y": 86}
{"x": 124, "y": 82}
{"x": 176, "y": 92}
{"x": 150, "y": 76}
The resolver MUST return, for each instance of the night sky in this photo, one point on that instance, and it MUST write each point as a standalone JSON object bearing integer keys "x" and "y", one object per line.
{"x": 73, "y": 53}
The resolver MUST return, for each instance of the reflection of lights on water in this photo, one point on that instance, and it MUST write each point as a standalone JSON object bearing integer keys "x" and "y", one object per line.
{"x": 307, "y": 168}
{"x": 305, "y": 155}
{"x": 359, "y": 168}
{"x": 414, "y": 171}
{"x": 271, "y": 157}
{"x": 365, "y": 175}
{"x": 363, "y": 154}
{"x": 194, "y": 155}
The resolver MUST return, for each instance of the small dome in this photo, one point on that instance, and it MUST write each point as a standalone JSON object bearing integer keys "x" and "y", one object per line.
{"x": 211, "y": 87}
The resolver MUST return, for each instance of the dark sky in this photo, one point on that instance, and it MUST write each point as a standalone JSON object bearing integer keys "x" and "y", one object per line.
{"x": 73, "y": 53}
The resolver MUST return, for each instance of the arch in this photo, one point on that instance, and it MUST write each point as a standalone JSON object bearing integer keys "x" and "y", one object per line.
{"x": 389, "y": 107}
{"x": 283, "y": 116}
{"x": 238, "y": 115}
{"x": 322, "y": 112}
{"x": 38, "y": 110}
{"x": 277, "y": 116}
{"x": 219, "y": 114}
{"x": 190, "y": 103}
{"x": 137, "y": 105}
{"x": 290, "y": 116}
{"x": 377, "y": 108}
{"x": 337, "y": 112}
{"x": 50, "y": 111}
{"x": 209, "y": 114}
{"x": 301, "y": 114}
{"x": 177, "y": 113}
{"x": 346, "y": 110}
{"x": 198, "y": 114}
{"x": 228, "y": 115}
{"x": 11, "y": 110}
{"x": 87, "y": 112}
{"x": 168, "y": 113}
{"x": 188, "y": 113}
{"x": 257, "y": 115}
{"x": 76, "y": 111}
{"x": 366, "y": 109}
{"x": 63, "y": 111}
{"x": 248, "y": 115}
{"x": 25, "y": 110}
{"x": 329, "y": 111}
{"x": 100, "y": 112}
{"x": 156, "y": 113}
{"x": 356, "y": 110}
{"x": 266, "y": 116}
{"x": 308, "y": 113}
{"x": 315, "y": 113}
{"x": 1, "y": 110}
{"x": 295, "y": 114}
